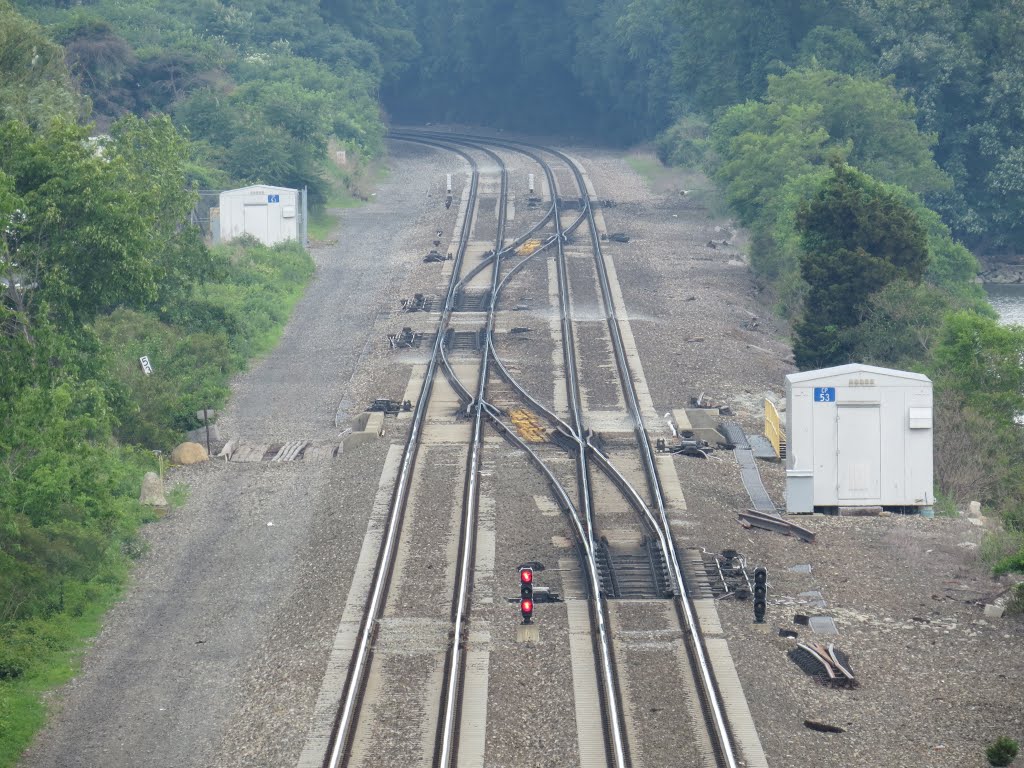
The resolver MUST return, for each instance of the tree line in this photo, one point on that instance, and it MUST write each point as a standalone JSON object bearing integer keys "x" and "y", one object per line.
{"x": 98, "y": 267}
{"x": 627, "y": 70}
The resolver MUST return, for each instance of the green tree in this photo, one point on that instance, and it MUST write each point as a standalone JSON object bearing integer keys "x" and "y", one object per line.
{"x": 35, "y": 86}
{"x": 875, "y": 119}
{"x": 807, "y": 116}
{"x": 856, "y": 236}
{"x": 980, "y": 385}
{"x": 102, "y": 63}
{"x": 901, "y": 324}
{"x": 759, "y": 147}
{"x": 980, "y": 360}
{"x": 102, "y": 224}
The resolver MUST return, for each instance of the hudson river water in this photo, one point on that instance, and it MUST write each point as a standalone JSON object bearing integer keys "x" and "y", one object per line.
{"x": 1008, "y": 301}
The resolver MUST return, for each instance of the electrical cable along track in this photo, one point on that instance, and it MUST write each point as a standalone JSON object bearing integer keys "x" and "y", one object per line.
{"x": 613, "y": 503}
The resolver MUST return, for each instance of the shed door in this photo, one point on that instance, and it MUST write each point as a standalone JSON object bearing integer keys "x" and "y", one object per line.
{"x": 257, "y": 222}
{"x": 859, "y": 455}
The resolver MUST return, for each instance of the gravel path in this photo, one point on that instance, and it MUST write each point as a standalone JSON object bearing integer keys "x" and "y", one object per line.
{"x": 215, "y": 655}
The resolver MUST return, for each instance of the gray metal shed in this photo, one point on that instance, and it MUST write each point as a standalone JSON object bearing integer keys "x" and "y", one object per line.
{"x": 858, "y": 436}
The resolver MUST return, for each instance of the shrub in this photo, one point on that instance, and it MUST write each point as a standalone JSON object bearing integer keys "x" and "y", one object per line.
{"x": 999, "y": 546}
{"x": 1015, "y": 604}
{"x": 1002, "y": 752}
{"x": 684, "y": 143}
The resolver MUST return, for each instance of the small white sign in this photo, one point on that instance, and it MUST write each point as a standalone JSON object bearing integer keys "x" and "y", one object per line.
{"x": 146, "y": 367}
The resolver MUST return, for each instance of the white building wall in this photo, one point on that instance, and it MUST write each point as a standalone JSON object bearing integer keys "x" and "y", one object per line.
{"x": 270, "y": 214}
{"x": 871, "y": 445}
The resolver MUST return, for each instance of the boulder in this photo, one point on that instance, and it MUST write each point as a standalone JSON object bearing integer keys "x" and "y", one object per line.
{"x": 152, "y": 491}
{"x": 994, "y": 611}
{"x": 188, "y": 453}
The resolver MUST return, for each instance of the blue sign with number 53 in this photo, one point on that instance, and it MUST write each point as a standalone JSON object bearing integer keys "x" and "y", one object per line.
{"x": 824, "y": 394}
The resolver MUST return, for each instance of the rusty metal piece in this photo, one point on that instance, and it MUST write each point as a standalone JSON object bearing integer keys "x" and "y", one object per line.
{"x": 750, "y": 518}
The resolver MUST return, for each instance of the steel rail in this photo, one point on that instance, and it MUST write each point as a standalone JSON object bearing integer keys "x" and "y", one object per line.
{"x": 615, "y": 725}
{"x": 598, "y": 605}
{"x": 355, "y": 680}
{"x": 480, "y": 406}
{"x": 723, "y": 735}
{"x": 712, "y": 698}
{"x": 510, "y": 435}
{"x": 470, "y": 504}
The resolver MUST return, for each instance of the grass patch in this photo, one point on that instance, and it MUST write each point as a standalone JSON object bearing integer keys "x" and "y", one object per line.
{"x": 647, "y": 166}
{"x": 1015, "y": 603}
{"x": 344, "y": 191}
{"x": 1000, "y": 549}
{"x": 945, "y": 506}
{"x": 177, "y": 496}
{"x": 39, "y": 655}
{"x": 675, "y": 179}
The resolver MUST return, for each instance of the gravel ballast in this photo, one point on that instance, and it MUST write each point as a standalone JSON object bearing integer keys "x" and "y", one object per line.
{"x": 216, "y": 654}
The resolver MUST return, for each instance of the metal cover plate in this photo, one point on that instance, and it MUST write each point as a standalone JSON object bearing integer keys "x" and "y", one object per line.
{"x": 823, "y": 625}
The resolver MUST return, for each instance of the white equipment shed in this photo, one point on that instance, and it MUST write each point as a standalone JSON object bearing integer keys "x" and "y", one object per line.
{"x": 858, "y": 436}
{"x": 269, "y": 214}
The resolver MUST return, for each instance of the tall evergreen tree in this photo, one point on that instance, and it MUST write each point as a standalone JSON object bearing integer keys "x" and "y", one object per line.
{"x": 857, "y": 236}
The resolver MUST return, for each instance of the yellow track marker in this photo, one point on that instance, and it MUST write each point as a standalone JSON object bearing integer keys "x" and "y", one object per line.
{"x": 529, "y": 247}
{"x": 528, "y": 425}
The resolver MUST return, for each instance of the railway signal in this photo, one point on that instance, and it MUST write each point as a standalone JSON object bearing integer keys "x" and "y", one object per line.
{"x": 526, "y": 593}
{"x": 760, "y": 593}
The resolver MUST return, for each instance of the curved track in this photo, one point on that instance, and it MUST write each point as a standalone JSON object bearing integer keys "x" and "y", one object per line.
{"x": 580, "y": 513}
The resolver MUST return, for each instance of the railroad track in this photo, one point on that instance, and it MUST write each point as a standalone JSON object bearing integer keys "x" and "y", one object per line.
{"x": 622, "y": 475}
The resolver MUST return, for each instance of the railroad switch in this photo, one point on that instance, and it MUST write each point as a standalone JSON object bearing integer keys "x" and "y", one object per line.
{"x": 406, "y": 339}
{"x": 418, "y": 303}
{"x": 686, "y": 447}
{"x": 389, "y": 407}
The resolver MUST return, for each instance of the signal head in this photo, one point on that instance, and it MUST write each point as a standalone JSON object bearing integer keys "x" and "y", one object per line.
{"x": 526, "y": 606}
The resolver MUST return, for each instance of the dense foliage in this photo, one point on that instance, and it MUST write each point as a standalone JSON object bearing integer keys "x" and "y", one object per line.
{"x": 99, "y": 266}
{"x": 262, "y": 88}
{"x": 627, "y": 70}
{"x": 856, "y": 237}
{"x": 861, "y": 142}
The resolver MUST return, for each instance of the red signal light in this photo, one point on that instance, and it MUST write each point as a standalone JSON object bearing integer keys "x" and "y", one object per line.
{"x": 526, "y": 592}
